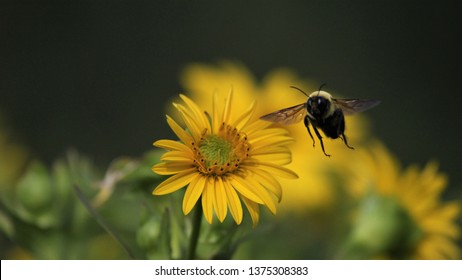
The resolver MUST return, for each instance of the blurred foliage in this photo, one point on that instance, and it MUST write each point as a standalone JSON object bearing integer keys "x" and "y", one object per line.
{"x": 72, "y": 210}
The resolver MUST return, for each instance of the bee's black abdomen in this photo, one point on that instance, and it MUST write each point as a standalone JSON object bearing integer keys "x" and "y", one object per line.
{"x": 334, "y": 125}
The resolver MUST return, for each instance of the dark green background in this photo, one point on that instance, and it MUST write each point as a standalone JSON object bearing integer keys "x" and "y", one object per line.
{"x": 96, "y": 75}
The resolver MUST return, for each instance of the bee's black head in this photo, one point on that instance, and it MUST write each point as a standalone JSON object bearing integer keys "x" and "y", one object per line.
{"x": 317, "y": 106}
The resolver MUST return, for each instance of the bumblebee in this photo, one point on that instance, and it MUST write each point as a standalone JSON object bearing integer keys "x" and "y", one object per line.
{"x": 323, "y": 112}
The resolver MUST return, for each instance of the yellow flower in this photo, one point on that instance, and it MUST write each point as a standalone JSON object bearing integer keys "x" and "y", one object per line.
{"x": 422, "y": 226}
{"x": 225, "y": 159}
{"x": 314, "y": 190}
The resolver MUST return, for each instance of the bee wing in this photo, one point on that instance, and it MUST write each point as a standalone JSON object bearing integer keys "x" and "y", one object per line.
{"x": 351, "y": 106}
{"x": 287, "y": 116}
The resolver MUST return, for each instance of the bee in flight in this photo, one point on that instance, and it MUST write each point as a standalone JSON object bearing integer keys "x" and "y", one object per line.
{"x": 323, "y": 112}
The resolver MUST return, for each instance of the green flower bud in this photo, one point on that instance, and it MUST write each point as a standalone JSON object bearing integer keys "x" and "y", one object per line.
{"x": 383, "y": 227}
{"x": 34, "y": 190}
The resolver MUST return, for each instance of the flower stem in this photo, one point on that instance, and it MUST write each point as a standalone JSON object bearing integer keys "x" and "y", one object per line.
{"x": 197, "y": 220}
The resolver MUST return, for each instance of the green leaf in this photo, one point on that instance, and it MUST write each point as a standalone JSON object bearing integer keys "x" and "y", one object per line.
{"x": 101, "y": 221}
{"x": 6, "y": 225}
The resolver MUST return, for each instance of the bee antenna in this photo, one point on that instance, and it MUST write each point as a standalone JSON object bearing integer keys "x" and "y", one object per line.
{"x": 294, "y": 87}
{"x": 319, "y": 90}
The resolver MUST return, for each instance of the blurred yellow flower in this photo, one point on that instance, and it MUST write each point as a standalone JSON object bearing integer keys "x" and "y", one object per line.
{"x": 421, "y": 225}
{"x": 224, "y": 158}
{"x": 314, "y": 190}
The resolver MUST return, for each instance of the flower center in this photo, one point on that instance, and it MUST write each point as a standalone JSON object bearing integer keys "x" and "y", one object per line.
{"x": 217, "y": 154}
{"x": 216, "y": 150}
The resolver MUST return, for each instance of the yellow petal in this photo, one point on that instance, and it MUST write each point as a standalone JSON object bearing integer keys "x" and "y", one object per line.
{"x": 194, "y": 128}
{"x": 441, "y": 248}
{"x": 279, "y": 140}
{"x": 436, "y": 184}
{"x": 175, "y": 183}
{"x": 244, "y": 188}
{"x": 450, "y": 210}
{"x": 441, "y": 227}
{"x": 215, "y": 113}
{"x": 253, "y": 209}
{"x": 171, "y": 145}
{"x": 388, "y": 169}
{"x": 234, "y": 203}
{"x": 198, "y": 113}
{"x": 255, "y": 126}
{"x": 169, "y": 168}
{"x": 269, "y": 182}
{"x": 227, "y": 111}
{"x": 442, "y": 221}
{"x": 274, "y": 169}
{"x": 242, "y": 121}
{"x": 180, "y": 156}
{"x": 269, "y": 132}
{"x": 192, "y": 194}
{"x": 263, "y": 150}
{"x": 430, "y": 171}
{"x": 276, "y": 158}
{"x": 179, "y": 131}
{"x": 207, "y": 200}
{"x": 267, "y": 199}
{"x": 221, "y": 205}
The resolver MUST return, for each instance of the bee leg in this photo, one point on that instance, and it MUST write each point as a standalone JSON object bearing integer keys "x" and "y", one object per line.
{"x": 343, "y": 136}
{"x": 320, "y": 140}
{"x": 307, "y": 125}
